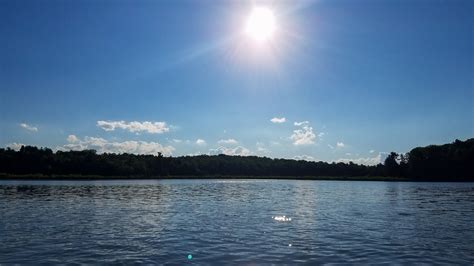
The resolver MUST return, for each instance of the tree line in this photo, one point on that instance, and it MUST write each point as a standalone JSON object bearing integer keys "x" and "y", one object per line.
{"x": 450, "y": 162}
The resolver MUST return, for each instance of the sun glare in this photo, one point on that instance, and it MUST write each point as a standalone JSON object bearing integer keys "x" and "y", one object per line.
{"x": 261, "y": 24}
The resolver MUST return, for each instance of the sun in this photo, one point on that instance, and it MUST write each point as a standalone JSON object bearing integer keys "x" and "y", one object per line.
{"x": 261, "y": 24}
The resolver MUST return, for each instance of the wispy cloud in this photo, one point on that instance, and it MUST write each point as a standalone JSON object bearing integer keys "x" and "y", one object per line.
{"x": 340, "y": 145}
{"x": 29, "y": 127}
{"x": 134, "y": 126}
{"x": 278, "y": 120}
{"x": 228, "y": 142}
{"x": 371, "y": 151}
{"x": 304, "y": 135}
{"x": 261, "y": 148}
{"x": 201, "y": 142}
{"x": 105, "y": 146}
{"x": 302, "y": 123}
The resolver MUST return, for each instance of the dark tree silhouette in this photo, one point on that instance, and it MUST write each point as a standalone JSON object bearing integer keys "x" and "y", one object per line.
{"x": 392, "y": 167}
{"x": 449, "y": 162}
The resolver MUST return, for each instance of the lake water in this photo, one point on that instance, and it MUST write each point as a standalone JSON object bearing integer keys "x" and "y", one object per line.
{"x": 222, "y": 221}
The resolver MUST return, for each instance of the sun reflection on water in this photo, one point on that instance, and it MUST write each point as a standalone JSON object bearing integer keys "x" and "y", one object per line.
{"x": 281, "y": 218}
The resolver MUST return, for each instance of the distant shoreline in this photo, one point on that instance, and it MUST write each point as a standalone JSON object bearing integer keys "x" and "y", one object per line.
{"x": 321, "y": 178}
{"x": 444, "y": 163}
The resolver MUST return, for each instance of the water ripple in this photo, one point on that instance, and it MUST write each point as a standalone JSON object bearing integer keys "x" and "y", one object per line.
{"x": 221, "y": 221}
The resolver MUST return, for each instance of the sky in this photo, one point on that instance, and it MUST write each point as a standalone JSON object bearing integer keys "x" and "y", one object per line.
{"x": 338, "y": 80}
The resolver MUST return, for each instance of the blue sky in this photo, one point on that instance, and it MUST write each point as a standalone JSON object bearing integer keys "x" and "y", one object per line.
{"x": 353, "y": 79}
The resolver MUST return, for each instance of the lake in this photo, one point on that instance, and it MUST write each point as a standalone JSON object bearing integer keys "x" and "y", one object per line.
{"x": 236, "y": 221}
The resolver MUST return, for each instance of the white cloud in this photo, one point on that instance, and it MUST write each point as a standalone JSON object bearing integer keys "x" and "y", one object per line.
{"x": 176, "y": 140}
{"x": 134, "y": 126}
{"x": 72, "y": 139}
{"x": 308, "y": 158}
{"x": 201, "y": 142}
{"x": 331, "y": 147}
{"x": 304, "y": 135}
{"x": 105, "y": 146}
{"x": 278, "y": 120}
{"x": 340, "y": 145}
{"x": 239, "y": 150}
{"x": 371, "y": 151}
{"x": 15, "y": 146}
{"x": 228, "y": 141}
{"x": 366, "y": 161}
{"x": 28, "y": 127}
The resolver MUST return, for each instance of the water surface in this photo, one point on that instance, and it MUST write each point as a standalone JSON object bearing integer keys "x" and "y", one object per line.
{"x": 222, "y": 221}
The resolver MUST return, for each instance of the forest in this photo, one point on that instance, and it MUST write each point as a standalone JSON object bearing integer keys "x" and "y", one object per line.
{"x": 448, "y": 162}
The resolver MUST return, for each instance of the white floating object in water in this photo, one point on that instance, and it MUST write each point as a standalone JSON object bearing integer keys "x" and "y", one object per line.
{"x": 281, "y": 218}
{"x": 289, "y": 245}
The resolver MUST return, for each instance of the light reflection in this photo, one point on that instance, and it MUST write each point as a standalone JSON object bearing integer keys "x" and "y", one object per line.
{"x": 281, "y": 218}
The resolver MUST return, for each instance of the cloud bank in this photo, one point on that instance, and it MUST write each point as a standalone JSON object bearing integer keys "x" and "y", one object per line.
{"x": 15, "y": 146}
{"x": 134, "y": 126}
{"x": 239, "y": 150}
{"x": 307, "y": 158}
{"x": 105, "y": 146}
{"x": 366, "y": 161}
